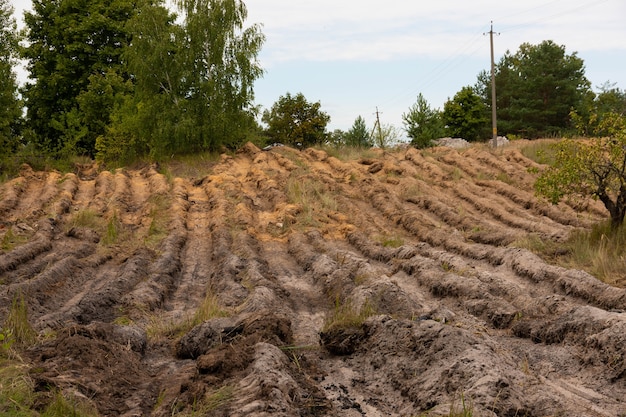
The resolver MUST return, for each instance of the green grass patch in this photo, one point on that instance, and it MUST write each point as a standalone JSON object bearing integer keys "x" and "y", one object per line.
{"x": 10, "y": 240}
{"x": 390, "y": 241}
{"x": 86, "y": 218}
{"x": 542, "y": 151}
{"x": 347, "y": 315}
{"x": 160, "y": 218}
{"x": 173, "y": 329}
{"x": 16, "y": 325}
{"x": 17, "y": 396}
{"x": 62, "y": 406}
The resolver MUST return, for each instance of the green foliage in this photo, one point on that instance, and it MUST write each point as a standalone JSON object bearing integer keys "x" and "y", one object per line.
{"x": 193, "y": 81}
{"x": 422, "y": 123}
{"x": 385, "y": 136}
{"x": 536, "y": 89}
{"x": 358, "y": 135}
{"x": 602, "y": 114}
{"x": 10, "y": 106}
{"x": 6, "y": 342}
{"x": 293, "y": 120}
{"x": 593, "y": 168}
{"x": 464, "y": 115}
{"x": 69, "y": 43}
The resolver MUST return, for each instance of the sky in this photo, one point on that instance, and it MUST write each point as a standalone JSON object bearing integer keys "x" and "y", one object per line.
{"x": 357, "y": 57}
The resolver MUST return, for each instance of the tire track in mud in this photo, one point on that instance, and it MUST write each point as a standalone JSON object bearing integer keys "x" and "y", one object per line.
{"x": 422, "y": 239}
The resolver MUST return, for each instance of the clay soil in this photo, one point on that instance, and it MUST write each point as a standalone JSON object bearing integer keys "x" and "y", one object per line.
{"x": 115, "y": 265}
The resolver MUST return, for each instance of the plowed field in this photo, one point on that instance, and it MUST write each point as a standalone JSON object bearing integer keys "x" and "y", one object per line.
{"x": 293, "y": 283}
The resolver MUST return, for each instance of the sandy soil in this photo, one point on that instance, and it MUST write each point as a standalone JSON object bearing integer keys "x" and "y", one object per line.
{"x": 114, "y": 265}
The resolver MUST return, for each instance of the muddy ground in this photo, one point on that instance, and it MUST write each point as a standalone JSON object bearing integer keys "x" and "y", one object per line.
{"x": 272, "y": 246}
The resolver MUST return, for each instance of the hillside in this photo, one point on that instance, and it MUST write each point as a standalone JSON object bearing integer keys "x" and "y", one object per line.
{"x": 294, "y": 283}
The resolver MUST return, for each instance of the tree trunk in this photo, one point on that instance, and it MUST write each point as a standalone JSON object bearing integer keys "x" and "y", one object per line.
{"x": 617, "y": 208}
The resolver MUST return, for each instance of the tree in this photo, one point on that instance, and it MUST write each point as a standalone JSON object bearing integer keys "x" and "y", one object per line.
{"x": 595, "y": 116}
{"x": 595, "y": 168}
{"x": 536, "y": 89}
{"x": 358, "y": 135}
{"x": 10, "y": 107}
{"x": 422, "y": 123}
{"x": 69, "y": 41}
{"x": 464, "y": 115}
{"x": 193, "y": 81}
{"x": 385, "y": 136}
{"x": 292, "y": 119}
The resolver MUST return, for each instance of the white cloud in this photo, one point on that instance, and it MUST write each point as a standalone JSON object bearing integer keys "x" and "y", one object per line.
{"x": 328, "y": 30}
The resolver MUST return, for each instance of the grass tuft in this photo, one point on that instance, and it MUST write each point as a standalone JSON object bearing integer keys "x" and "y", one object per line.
{"x": 17, "y": 324}
{"x": 208, "y": 309}
{"x": 347, "y": 315}
{"x": 600, "y": 251}
{"x": 60, "y": 406}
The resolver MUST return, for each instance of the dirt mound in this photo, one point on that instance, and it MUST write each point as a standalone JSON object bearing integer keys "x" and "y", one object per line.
{"x": 296, "y": 283}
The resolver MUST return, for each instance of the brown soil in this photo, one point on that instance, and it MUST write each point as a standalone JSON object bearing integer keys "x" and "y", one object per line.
{"x": 282, "y": 240}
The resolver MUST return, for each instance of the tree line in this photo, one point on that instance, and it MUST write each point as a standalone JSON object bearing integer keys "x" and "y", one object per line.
{"x": 123, "y": 79}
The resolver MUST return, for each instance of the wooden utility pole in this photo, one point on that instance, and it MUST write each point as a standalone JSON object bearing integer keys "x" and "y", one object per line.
{"x": 494, "y": 124}
{"x": 377, "y": 125}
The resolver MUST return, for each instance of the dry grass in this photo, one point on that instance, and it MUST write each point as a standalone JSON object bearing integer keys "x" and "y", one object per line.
{"x": 541, "y": 151}
{"x": 600, "y": 251}
{"x": 349, "y": 153}
{"x": 313, "y": 198}
{"x": 160, "y": 218}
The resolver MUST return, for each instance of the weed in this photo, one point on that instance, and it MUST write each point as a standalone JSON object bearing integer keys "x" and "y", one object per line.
{"x": 312, "y": 197}
{"x": 10, "y": 240}
{"x": 60, "y": 406}
{"x": 390, "y": 241}
{"x": 540, "y": 151}
{"x": 16, "y": 389}
{"x": 209, "y": 309}
{"x": 346, "y": 315}
{"x": 505, "y": 178}
{"x": 17, "y": 324}
{"x": 456, "y": 174}
{"x": 211, "y": 401}
{"x": 123, "y": 321}
{"x": 600, "y": 251}
{"x": 85, "y": 218}
{"x": 159, "y": 215}
{"x": 112, "y": 230}
{"x": 6, "y": 342}
{"x": 446, "y": 266}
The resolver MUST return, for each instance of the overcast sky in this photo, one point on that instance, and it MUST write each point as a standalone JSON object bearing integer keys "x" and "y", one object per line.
{"x": 356, "y": 55}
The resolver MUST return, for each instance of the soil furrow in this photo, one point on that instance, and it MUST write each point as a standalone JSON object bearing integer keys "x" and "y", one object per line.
{"x": 288, "y": 282}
